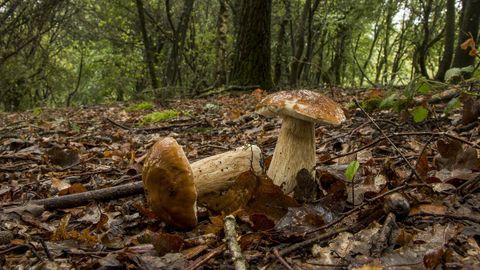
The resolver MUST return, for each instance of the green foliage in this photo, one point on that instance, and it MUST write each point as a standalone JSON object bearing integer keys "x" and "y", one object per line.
{"x": 389, "y": 102}
{"x": 370, "y": 104}
{"x": 419, "y": 114}
{"x": 145, "y": 105}
{"x": 351, "y": 170}
{"x": 37, "y": 111}
{"x": 156, "y": 117}
{"x": 455, "y": 75}
{"x": 453, "y": 104}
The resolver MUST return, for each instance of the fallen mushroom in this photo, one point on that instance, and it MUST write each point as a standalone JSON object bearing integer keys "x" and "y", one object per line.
{"x": 172, "y": 185}
{"x": 295, "y": 149}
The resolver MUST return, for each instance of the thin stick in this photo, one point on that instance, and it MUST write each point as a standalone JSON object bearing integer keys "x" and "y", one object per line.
{"x": 212, "y": 254}
{"x": 118, "y": 124}
{"x": 281, "y": 259}
{"x": 390, "y": 141}
{"x": 231, "y": 238}
{"x": 318, "y": 238}
{"x": 436, "y": 134}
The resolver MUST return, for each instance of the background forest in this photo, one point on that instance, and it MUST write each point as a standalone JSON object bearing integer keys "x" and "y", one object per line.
{"x": 63, "y": 53}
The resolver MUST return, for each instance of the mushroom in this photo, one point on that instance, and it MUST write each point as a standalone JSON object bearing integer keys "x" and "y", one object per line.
{"x": 172, "y": 185}
{"x": 295, "y": 149}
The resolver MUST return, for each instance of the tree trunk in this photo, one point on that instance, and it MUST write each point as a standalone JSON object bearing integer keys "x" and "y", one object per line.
{"x": 251, "y": 65}
{"x": 149, "y": 58}
{"x": 423, "y": 50}
{"x": 306, "y": 63}
{"x": 338, "y": 61}
{"x": 294, "y": 72}
{"x": 180, "y": 34}
{"x": 400, "y": 52}
{"x": 469, "y": 25}
{"x": 449, "y": 42}
{"x": 386, "y": 44}
{"x": 280, "y": 44}
{"x": 79, "y": 79}
{"x": 221, "y": 43}
{"x": 376, "y": 35}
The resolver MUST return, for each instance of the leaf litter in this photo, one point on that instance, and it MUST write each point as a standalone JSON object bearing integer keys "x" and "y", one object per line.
{"x": 392, "y": 219}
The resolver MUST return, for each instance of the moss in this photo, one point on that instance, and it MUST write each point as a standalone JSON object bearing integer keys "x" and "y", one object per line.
{"x": 146, "y": 105}
{"x": 371, "y": 104}
{"x": 156, "y": 117}
{"x": 37, "y": 111}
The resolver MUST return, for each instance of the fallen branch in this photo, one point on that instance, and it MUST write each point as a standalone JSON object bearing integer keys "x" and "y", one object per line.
{"x": 84, "y": 198}
{"x": 231, "y": 238}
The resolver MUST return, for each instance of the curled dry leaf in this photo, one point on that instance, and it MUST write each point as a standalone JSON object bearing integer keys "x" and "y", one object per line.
{"x": 166, "y": 243}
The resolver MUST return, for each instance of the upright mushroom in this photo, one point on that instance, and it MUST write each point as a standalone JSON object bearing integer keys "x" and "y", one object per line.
{"x": 172, "y": 185}
{"x": 295, "y": 149}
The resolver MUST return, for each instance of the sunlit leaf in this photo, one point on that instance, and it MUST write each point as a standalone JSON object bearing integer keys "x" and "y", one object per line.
{"x": 424, "y": 88}
{"x": 419, "y": 114}
{"x": 352, "y": 169}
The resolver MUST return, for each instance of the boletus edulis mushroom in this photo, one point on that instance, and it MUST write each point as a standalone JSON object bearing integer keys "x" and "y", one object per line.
{"x": 295, "y": 148}
{"x": 172, "y": 185}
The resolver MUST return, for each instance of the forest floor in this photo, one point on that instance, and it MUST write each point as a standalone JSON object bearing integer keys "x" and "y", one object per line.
{"x": 415, "y": 201}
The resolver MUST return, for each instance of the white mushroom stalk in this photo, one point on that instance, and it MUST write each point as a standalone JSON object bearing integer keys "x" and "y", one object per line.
{"x": 295, "y": 149}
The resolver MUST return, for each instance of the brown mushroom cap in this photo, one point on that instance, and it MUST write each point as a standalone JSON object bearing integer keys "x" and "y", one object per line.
{"x": 302, "y": 104}
{"x": 168, "y": 182}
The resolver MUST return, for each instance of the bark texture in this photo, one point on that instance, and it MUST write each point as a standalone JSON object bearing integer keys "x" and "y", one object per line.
{"x": 469, "y": 24}
{"x": 251, "y": 65}
{"x": 448, "y": 46}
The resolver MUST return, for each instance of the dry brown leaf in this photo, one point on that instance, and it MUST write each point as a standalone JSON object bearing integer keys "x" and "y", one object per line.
{"x": 432, "y": 209}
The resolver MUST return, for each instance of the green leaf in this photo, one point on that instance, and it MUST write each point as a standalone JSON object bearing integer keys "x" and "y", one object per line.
{"x": 419, "y": 114}
{"x": 352, "y": 169}
{"x": 388, "y": 102}
{"x": 453, "y": 104}
{"x": 424, "y": 88}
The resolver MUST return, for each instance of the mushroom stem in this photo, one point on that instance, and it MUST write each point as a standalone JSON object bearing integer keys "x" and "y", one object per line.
{"x": 295, "y": 150}
{"x": 217, "y": 173}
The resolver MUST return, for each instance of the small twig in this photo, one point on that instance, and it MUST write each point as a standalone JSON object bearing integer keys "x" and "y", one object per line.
{"x": 22, "y": 248}
{"x": 213, "y": 253}
{"x": 45, "y": 247}
{"x": 404, "y": 186}
{"x": 436, "y": 134}
{"x": 318, "y": 238}
{"x": 118, "y": 124}
{"x": 231, "y": 238}
{"x": 462, "y": 188}
{"x": 390, "y": 141}
{"x": 452, "y": 216}
{"x": 281, "y": 259}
